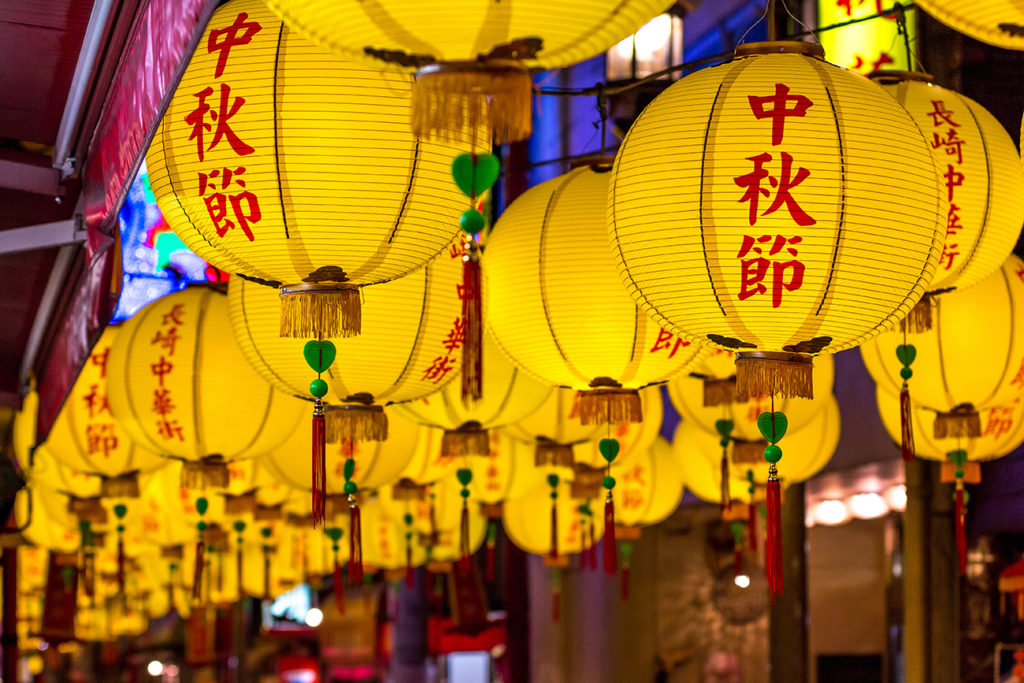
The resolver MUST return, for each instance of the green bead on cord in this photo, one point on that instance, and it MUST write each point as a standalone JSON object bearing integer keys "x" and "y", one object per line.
{"x": 738, "y": 529}
{"x": 773, "y": 426}
{"x": 348, "y": 470}
{"x": 906, "y": 353}
{"x": 553, "y": 482}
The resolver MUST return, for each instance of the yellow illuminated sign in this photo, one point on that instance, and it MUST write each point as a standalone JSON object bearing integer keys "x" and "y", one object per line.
{"x": 870, "y": 45}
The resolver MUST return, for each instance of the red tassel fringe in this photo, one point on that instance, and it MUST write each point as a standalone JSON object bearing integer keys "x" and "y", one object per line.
{"x": 961, "y": 532}
{"x": 737, "y": 561}
{"x": 319, "y": 471}
{"x": 611, "y": 550}
{"x": 197, "y": 575}
{"x": 464, "y": 532}
{"x": 752, "y": 527}
{"x": 906, "y": 426}
{"x": 355, "y": 547}
{"x": 120, "y": 564}
{"x": 554, "y": 528}
{"x": 624, "y": 584}
{"x": 410, "y": 578}
{"x": 773, "y": 544}
{"x": 726, "y": 502}
{"x": 472, "y": 323}
{"x": 490, "y": 561}
{"x": 339, "y": 588}
{"x": 556, "y": 605}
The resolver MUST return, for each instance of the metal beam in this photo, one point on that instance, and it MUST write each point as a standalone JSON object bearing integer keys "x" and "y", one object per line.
{"x": 30, "y": 178}
{"x": 42, "y": 236}
{"x": 58, "y": 277}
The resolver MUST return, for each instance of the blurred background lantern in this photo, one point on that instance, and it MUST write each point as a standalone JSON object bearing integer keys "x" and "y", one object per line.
{"x": 87, "y": 438}
{"x": 527, "y": 521}
{"x": 288, "y": 111}
{"x": 473, "y": 59}
{"x": 572, "y": 324}
{"x": 657, "y": 45}
{"x": 509, "y": 395}
{"x": 980, "y": 164}
{"x": 757, "y": 265}
{"x": 997, "y": 22}
{"x": 180, "y": 386}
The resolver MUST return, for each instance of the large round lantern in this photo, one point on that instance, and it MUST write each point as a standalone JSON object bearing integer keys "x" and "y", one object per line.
{"x": 996, "y": 22}
{"x": 532, "y": 528}
{"x": 180, "y": 386}
{"x": 281, "y": 163}
{"x": 557, "y": 305}
{"x": 746, "y": 212}
{"x": 978, "y": 161}
{"x": 509, "y": 395}
{"x": 473, "y": 58}
{"x": 87, "y": 438}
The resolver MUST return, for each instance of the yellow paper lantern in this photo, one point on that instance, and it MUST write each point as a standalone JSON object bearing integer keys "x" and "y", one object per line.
{"x": 428, "y": 464}
{"x": 972, "y": 358}
{"x": 508, "y": 471}
{"x": 87, "y": 438}
{"x": 996, "y": 22}
{"x": 279, "y": 162}
{"x": 509, "y": 395}
{"x": 527, "y": 521}
{"x": 688, "y": 396}
{"x": 703, "y": 477}
{"x": 180, "y": 386}
{"x": 386, "y": 544}
{"x": 762, "y": 246}
{"x": 1002, "y": 430}
{"x": 557, "y": 306}
{"x": 473, "y": 58}
{"x": 649, "y": 487}
{"x": 978, "y": 161}
{"x": 44, "y": 519}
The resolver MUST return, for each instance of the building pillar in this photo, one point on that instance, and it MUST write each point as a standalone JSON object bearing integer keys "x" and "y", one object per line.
{"x": 788, "y": 616}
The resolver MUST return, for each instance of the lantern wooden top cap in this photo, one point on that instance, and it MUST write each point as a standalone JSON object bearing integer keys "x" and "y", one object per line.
{"x": 775, "y": 47}
{"x": 597, "y": 162}
{"x": 895, "y": 76}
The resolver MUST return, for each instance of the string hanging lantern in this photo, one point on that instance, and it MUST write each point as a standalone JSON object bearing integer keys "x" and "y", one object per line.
{"x": 776, "y": 253}
{"x": 175, "y": 378}
{"x": 238, "y": 169}
{"x": 996, "y": 22}
{"x": 473, "y": 59}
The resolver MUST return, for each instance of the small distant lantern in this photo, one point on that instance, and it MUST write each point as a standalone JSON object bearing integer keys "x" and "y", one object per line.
{"x": 656, "y": 46}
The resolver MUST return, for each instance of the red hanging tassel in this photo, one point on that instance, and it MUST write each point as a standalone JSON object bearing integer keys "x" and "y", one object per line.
{"x": 611, "y": 551}
{"x": 592, "y": 550}
{"x": 355, "y": 545}
{"x": 197, "y": 575}
{"x": 737, "y": 560}
{"x": 238, "y": 569}
{"x": 410, "y": 577}
{"x": 556, "y": 605}
{"x": 266, "y": 571}
{"x": 492, "y": 538}
{"x": 906, "y": 426}
{"x": 554, "y": 528}
{"x": 726, "y": 503}
{"x": 752, "y": 526}
{"x": 339, "y": 587}
{"x": 773, "y": 542}
{"x": 319, "y": 466}
{"x": 120, "y": 564}
{"x": 464, "y": 552}
{"x": 961, "y": 532}
{"x": 624, "y": 583}
{"x": 472, "y": 325}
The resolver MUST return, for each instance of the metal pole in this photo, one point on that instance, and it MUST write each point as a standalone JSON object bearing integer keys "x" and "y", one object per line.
{"x": 788, "y": 616}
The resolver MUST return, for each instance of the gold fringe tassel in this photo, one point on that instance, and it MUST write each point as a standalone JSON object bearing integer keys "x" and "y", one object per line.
{"x": 548, "y": 452}
{"x": 172, "y": 552}
{"x": 407, "y": 489}
{"x": 492, "y": 510}
{"x": 88, "y": 510}
{"x": 242, "y": 504}
{"x": 718, "y": 392}
{"x": 214, "y": 537}
{"x": 920, "y": 317}
{"x": 121, "y": 486}
{"x": 267, "y": 513}
{"x": 786, "y": 375}
{"x": 962, "y": 421}
{"x": 356, "y": 422}
{"x": 320, "y": 311}
{"x": 610, "y": 405}
{"x": 449, "y": 99}
{"x": 469, "y": 439}
{"x": 586, "y": 481}
{"x": 208, "y": 472}
{"x": 748, "y": 452}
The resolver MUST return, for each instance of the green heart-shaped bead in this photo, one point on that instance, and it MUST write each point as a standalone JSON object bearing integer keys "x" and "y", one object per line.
{"x": 201, "y": 505}
{"x": 552, "y": 480}
{"x": 724, "y": 427}
{"x": 319, "y": 354}
{"x": 239, "y": 526}
{"x": 465, "y": 475}
{"x": 120, "y": 511}
{"x": 349, "y": 468}
{"x": 772, "y": 425}
{"x": 609, "y": 448}
{"x": 906, "y": 353}
{"x": 475, "y": 176}
{"x": 333, "y": 533}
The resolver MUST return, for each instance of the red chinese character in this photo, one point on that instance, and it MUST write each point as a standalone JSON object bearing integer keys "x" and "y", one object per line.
{"x": 217, "y": 203}
{"x": 954, "y": 179}
{"x": 174, "y": 316}
{"x": 457, "y": 250}
{"x": 162, "y": 402}
{"x": 752, "y": 184}
{"x": 754, "y": 270}
{"x": 635, "y": 476}
{"x": 456, "y": 336}
{"x": 231, "y": 39}
{"x": 848, "y": 5}
{"x": 197, "y": 119}
{"x": 939, "y": 111}
{"x": 161, "y": 368}
{"x": 441, "y": 366}
{"x": 100, "y": 360}
{"x": 100, "y": 438}
{"x": 953, "y": 224}
{"x": 1000, "y": 421}
{"x": 948, "y": 254}
{"x": 664, "y": 341}
{"x": 96, "y": 401}
{"x": 859, "y": 62}
{"x": 952, "y": 143}
{"x": 167, "y": 340}
{"x": 632, "y": 499}
{"x": 779, "y": 110}
{"x": 168, "y": 429}
{"x": 1018, "y": 379}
